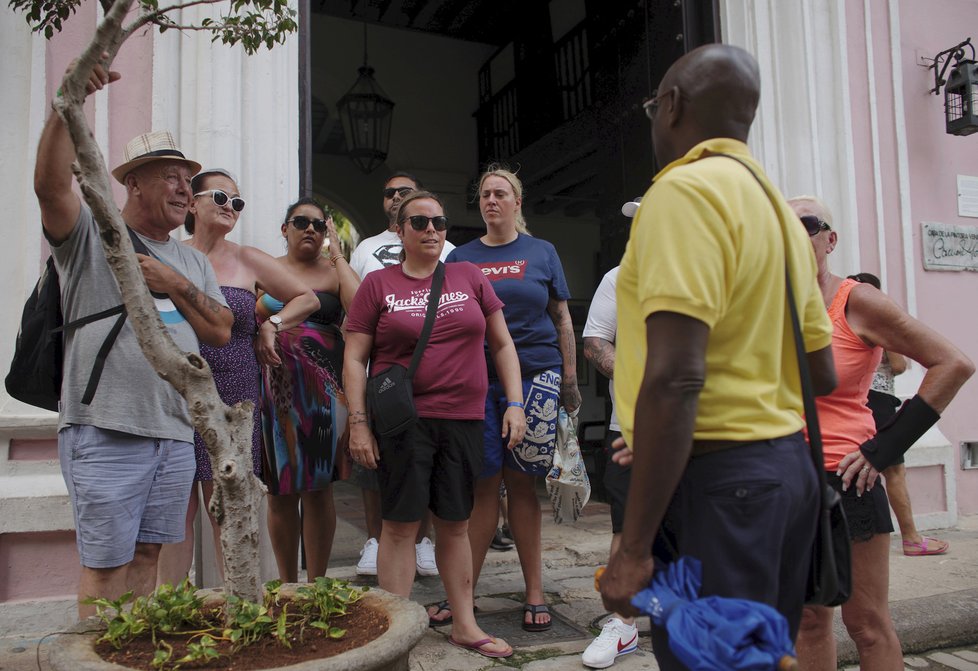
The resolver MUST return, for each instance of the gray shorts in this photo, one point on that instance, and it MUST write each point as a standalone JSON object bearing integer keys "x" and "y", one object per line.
{"x": 124, "y": 489}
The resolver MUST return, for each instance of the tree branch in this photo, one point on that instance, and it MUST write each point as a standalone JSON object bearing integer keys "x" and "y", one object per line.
{"x": 227, "y": 431}
{"x": 157, "y": 16}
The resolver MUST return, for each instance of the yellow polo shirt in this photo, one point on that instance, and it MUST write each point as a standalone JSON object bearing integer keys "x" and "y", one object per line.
{"x": 706, "y": 243}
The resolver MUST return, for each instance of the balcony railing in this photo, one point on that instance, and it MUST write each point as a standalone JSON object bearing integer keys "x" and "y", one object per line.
{"x": 573, "y": 73}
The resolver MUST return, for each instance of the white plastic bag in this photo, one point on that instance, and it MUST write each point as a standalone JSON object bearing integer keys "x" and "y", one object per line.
{"x": 567, "y": 482}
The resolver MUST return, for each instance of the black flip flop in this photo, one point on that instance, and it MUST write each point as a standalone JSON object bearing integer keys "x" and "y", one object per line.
{"x": 536, "y": 609}
{"x": 442, "y": 606}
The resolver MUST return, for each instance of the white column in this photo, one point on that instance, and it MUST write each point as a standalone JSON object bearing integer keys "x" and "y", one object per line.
{"x": 237, "y": 112}
{"x": 241, "y": 113}
{"x": 22, "y": 79}
{"x": 803, "y": 132}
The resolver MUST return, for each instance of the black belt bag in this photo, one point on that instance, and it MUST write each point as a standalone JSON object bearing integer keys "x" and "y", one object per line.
{"x": 390, "y": 395}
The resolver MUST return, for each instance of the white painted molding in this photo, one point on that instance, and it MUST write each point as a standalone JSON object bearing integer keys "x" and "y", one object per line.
{"x": 803, "y": 131}
{"x": 903, "y": 160}
{"x": 23, "y": 81}
{"x": 874, "y": 130}
{"x": 237, "y": 112}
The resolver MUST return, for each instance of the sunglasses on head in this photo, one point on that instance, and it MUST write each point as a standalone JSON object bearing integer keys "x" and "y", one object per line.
{"x": 419, "y": 222}
{"x": 221, "y": 199}
{"x": 302, "y": 223}
{"x": 400, "y": 190}
{"x": 813, "y": 225}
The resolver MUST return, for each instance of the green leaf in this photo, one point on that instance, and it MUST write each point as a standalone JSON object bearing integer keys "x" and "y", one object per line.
{"x": 336, "y": 632}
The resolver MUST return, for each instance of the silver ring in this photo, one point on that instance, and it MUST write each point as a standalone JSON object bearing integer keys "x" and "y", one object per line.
{"x": 865, "y": 469}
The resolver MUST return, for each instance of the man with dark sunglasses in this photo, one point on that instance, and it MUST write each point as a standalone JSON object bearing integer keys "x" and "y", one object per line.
{"x": 372, "y": 254}
{"x": 126, "y": 452}
{"x": 706, "y": 384}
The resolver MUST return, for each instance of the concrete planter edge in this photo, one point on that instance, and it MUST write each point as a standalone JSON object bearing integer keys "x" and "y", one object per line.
{"x": 75, "y": 650}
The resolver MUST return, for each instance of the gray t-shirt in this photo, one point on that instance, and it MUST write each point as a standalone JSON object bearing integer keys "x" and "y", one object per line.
{"x": 131, "y": 397}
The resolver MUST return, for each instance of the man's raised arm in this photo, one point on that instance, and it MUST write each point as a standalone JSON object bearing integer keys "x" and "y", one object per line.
{"x": 52, "y": 173}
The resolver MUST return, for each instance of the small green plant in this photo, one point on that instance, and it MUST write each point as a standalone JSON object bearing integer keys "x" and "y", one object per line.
{"x": 179, "y": 611}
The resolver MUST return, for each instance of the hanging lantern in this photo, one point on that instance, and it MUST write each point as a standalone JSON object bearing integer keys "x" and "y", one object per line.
{"x": 961, "y": 98}
{"x": 366, "y": 113}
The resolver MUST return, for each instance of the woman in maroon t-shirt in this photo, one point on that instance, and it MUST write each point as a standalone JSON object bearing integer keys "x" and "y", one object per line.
{"x": 433, "y": 464}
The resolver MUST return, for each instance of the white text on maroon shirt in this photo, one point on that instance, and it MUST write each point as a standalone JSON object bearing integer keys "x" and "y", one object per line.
{"x": 419, "y": 301}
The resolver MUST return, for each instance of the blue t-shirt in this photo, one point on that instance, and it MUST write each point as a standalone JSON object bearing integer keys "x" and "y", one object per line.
{"x": 525, "y": 274}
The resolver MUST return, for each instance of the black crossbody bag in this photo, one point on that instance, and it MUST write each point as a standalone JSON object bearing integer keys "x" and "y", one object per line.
{"x": 390, "y": 395}
{"x": 830, "y": 572}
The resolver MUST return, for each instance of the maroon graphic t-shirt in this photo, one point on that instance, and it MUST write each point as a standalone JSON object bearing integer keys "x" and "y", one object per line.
{"x": 451, "y": 380}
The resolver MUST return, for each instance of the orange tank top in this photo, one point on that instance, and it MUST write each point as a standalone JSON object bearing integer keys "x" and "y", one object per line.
{"x": 845, "y": 419}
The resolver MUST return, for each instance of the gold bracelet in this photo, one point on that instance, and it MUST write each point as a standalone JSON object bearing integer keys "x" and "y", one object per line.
{"x": 334, "y": 257}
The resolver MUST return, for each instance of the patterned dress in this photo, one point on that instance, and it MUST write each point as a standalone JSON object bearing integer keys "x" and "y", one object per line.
{"x": 299, "y": 399}
{"x": 236, "y": 374}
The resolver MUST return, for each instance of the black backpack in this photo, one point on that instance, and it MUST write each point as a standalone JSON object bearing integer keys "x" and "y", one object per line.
{"x": 36, "y": 369}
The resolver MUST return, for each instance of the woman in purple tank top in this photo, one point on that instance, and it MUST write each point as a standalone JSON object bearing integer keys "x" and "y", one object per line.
{"x": 241, "y": 271}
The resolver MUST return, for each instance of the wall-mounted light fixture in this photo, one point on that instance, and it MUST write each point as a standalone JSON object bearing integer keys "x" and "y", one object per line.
{"x": 960, "y": 89}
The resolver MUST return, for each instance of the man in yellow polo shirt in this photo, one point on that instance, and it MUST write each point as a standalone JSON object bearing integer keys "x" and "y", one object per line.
{"x": 706, "y": 378}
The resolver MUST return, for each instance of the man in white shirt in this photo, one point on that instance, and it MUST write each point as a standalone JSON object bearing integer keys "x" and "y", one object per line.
{"x": 618, "y": 636}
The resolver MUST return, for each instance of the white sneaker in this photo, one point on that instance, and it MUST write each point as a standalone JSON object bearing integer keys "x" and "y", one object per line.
{"x": 616, "y": 639}
{"x": 368, "y": 558}
{"x": 424, "y": 553}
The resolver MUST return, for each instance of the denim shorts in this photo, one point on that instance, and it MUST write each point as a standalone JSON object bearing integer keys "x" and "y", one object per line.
{"x": 541, "y": 397}
{"x": 124, "y": 489}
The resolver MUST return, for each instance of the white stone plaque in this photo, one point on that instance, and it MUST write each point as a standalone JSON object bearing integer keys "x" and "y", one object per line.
{"x": 967, "y": 196}
{"x": 949, "y": 247}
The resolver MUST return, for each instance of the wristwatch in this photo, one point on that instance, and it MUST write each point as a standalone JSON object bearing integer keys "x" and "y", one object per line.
{"x": 276, "y": 322}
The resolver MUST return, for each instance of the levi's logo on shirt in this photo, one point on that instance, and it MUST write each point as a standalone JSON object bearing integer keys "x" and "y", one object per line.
{"x": 499, "y": 270}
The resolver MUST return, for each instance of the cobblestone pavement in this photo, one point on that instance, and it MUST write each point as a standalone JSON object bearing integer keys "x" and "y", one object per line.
{"x": 933, "y": 600}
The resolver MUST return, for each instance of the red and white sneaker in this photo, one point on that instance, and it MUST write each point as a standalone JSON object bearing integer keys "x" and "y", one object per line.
{"x": 616, "y": 639}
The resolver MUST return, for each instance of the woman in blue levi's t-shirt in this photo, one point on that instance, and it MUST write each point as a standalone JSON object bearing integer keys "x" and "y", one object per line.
{"x": 527, "y": 276}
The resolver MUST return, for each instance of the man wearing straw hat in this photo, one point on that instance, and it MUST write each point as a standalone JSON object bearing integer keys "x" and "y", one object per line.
{"x": 127, "y": 452}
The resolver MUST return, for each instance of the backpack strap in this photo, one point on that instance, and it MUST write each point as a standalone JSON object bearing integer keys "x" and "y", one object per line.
{"x": 110, "y": 338}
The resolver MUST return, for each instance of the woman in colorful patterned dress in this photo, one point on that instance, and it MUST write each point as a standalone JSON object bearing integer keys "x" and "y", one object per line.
{"x": 241, "y": 271}
{"x": 303, "y": 407}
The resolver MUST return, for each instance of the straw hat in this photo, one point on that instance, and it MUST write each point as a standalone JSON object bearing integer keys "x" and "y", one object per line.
{"x": 148, "y": 147}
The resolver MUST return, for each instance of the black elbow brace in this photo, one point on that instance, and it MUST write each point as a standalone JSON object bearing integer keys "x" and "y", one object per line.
{"x": 899, "y": 434}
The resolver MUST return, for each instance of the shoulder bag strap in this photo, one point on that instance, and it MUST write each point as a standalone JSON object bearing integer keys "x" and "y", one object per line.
{"x": 434, "y": 295}
{"x": 808, "y": 393}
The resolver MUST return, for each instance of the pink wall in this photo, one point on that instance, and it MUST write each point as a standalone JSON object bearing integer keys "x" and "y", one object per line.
{"x": 38, "y": 565}
{"x": 945, "y": 299}
{"x": 33, "y": 449}
{"x": 935, "y": 158}
{"x": 130, "y": 99}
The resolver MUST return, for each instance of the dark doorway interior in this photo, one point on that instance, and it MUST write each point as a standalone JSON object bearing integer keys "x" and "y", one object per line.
{"x": 558, "y": 95}
{"x": 552, "y": 88}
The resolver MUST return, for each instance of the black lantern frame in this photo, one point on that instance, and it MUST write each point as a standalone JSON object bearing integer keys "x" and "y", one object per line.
{"x": 960, "y": 89}
{"x": 366, "y": 113}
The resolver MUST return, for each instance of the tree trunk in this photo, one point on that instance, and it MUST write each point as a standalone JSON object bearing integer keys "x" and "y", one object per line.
{"x": 227, "y": 431}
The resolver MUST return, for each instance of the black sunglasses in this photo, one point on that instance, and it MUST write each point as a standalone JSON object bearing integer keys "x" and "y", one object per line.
{"x": 813, "y": 225}
{"x": 302, "y": 223}
{"x": 401, "y": 190}
{"x": 221, "y": 199}
{"x": 419, "y": 222}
